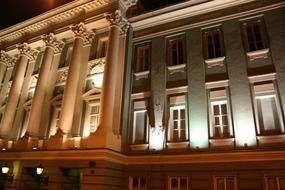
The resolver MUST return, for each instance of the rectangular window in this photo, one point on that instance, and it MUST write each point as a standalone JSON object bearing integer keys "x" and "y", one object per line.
{"x": 275, "y": 182}
{"x": 267, "y": 109}
{"x": 220, "y": 117}
{"x": 137, "y": 183}
{"x": 177, "y": 183}
{"x": 254, "y": 35}
{"x": 177, "y": 119}
{"x": 175, "y": 51}
{"x": 225, "y": 183}
{"x": 94, "y": 117}
{"x": 213, "y": 46}
{"x": 140, "y": 122}
{"x": 142, "y": 58}
{"x": 102, "y": 47}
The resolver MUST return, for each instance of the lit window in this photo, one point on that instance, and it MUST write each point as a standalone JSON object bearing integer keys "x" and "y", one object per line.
{"x": 140, "y": 122}
{"x": 177, "y": 183}
{"x": 94, "y": 117}
{"x": 254, "y": 35}
{"x": 137, "y": 183}
{"x": 267, "y": 109}
{"x": 225, "y": 183}
{"x": 175, "y": 48}
{"x": 102, "y": 47}
{"x": 220, "y": 117}
{"x": 142, "y": 58}
{"x": 275, "y": 182}
{"x": 213, "y": 45}
{"x": 177, "y": 119}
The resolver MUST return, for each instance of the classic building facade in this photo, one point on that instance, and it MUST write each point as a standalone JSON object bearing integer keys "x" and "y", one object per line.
{"x": 106, "y": 95}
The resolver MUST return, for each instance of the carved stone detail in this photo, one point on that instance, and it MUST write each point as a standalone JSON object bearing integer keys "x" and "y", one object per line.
{"x": 96, "y": 66}
{"x": 6, "y": 59}
{"x": 51, "y": 41}
{"x": 62, "y": 75}
{"x": 128, "y": 3}
{"x": 25, "y": 50}
{"x": 34, "y": 80}
{"x": 80, "y": 31}
{"x": 117, "y": 19}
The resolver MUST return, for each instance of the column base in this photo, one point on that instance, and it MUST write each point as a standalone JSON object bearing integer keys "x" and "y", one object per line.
{"x": 103, "y": 138}
{"x": 27, "y": 142}
{"x": 58, "y": 141}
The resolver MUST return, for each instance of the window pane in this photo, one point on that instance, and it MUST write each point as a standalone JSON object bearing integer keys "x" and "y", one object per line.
{"x": 282, "y": 183}
{"x": 272, "y": 184}
{"x": 175, "y": 114}
{"x": 230, "y": 184}
{"x": 135, "y": 182}
{"x": 183, "y": 184}
{"x": 225, "y": 120}
{"x": 174, "y": 182}
{"x": 143, "y": 183}
{"x": 220, "y": 184}
{"x": 216, "y": 110}
{"x": 224, "y": 108}
{"x": 140, "y": 127}
{"x": 217, "y": 121}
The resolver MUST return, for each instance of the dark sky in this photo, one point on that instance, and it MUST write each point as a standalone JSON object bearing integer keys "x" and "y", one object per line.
{"x": 15, "y": 11}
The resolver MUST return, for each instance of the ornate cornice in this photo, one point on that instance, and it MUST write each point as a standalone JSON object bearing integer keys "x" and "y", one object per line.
{"x": 117, "y": 19}
{"x": 51, "y": 41}
{"x": 80, "y": 31}
{"x": 44, "y": 21}
{"x": 6, "y": 59}
{"x": 25, "y": 50}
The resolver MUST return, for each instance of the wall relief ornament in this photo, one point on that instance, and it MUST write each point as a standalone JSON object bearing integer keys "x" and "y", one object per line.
{"x": 117, "y": 19}
{"x": 6, "y": 59}
{"x": 25, "y": 50}
{"x": 51, "y": 41}
{"x": 80, "y": 31}
{"x": 96, "y": 66}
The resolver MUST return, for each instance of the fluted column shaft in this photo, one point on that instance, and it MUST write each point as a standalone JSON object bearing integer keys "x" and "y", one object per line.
{"x": 69, "y": 97}
{"x": 118, "y": 24}
{"x": 15, "y": 91}
{"x": 41, "y": 88}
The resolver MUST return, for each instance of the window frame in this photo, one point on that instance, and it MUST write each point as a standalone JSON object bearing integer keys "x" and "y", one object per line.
{"x": 131, "y": 179}
{"x": 225, "y": 178}
{"x": 262, "y": 30}
{"x": 99, "y": 50}
{"x": 179, "y": 178}
{"x": 277, "y": 180}
{"x": 211, "y": 32}
{"x": 140, "y": 54}
{"x": 169, "y": 50}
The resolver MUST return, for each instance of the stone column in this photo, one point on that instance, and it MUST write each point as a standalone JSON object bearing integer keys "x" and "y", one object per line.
{"x": 26, "y": 53}
{"x": 82, "y": 38}
{"x": 52, "y": 46}
{"x": 117, "y": 24}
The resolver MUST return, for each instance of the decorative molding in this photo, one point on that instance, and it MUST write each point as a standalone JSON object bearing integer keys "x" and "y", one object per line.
{"x": 259, "y": 54}
{"x": 43, "y": 22}
{"x": 126, "y": 4}
{"x": 219, "y": 61}
{"x": 51, "y": 41}
{"x": 62, "y": 75}
{"x": 176, "y": 68}
{"x": 141, "y": 75}
{"x": 96, "y": 66}
{"x": 117, "y": 19}
{"x": 25, "y": 50}
{"x": 80, "y": 31}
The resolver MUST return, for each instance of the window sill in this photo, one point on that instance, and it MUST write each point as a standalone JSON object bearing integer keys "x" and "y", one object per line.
{"x": 272, "y": 139}
{"x": 177, "y": 145}
{"x": 138, "y": 146}
{"x": 141, "y": 75}
{"x": 219, "y": 61}
{"x": 252, "y": 55}
{"x": 176, "y": 68}
{"x": 222, "y": 142}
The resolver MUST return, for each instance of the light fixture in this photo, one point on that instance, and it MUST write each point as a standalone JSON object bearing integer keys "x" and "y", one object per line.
{"x": 7, "y": 176}
{"x": 43, "y": 179}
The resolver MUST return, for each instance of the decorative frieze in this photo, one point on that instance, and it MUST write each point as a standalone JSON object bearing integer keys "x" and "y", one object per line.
{"x": 80, "y": 31}
{"x": 6, "y": 59}
{"x": 62, "y": 75}
{"x": 51, "y": 41}
{"x": 96, "y": 66}
{"x": 25, "y": 50}
{"x": 117, "y": 19}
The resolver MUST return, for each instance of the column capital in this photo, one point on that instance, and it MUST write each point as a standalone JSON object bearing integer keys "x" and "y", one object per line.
{"x": 80, "y": 31}
{"x": 117, "y": 19}
{"x": 26, "y": 50}
{"x": 6, "y": 59}
{"x": 51, "y": 41}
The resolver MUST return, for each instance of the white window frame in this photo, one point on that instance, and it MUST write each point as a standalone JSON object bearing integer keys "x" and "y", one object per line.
{"x": 219, "y": 97}
{"x": 177, "y": 102}
{"x": 277, "y": 181}
{"x": 140, "y": 106}
{"x": 263, "y": 91}
{"x": 225, "y": 178}
{"x": 179, "y": 178}
{"x": 131, "y": 184}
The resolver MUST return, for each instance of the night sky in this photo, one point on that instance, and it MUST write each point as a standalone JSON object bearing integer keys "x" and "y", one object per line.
{"x": 15, "y": 11}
